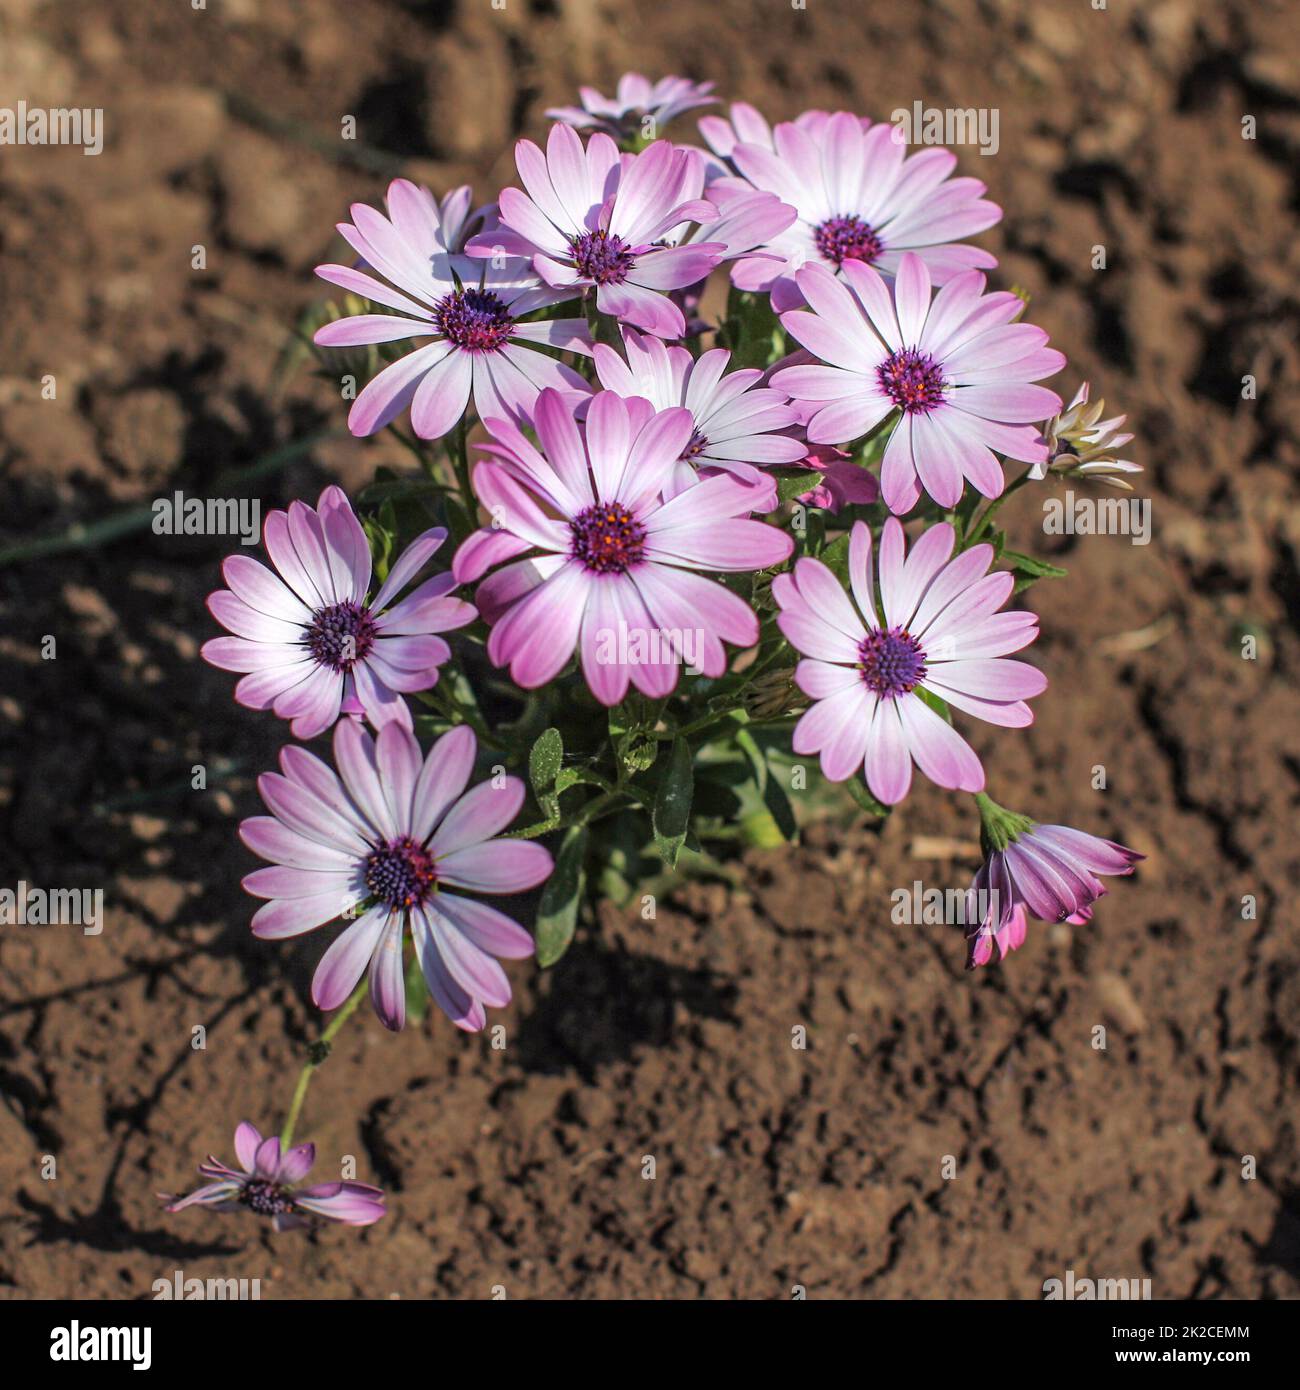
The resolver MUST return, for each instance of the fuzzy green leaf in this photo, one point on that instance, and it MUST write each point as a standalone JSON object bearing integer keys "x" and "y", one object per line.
{"x": 557, "y": 912}
{"x": 544, "y": 763}
{"x": 671, "y": 817}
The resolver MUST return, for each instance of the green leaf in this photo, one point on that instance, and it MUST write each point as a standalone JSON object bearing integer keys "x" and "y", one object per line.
{"x": 794, "y": 482}
{"x": 671, "y": 817}
{"x": 379, "y": 532}
{"x": 835, "y": 557}
{"x": 772, "y": 793}
{"x": 557, "y": 912}
{"x": 544, "y": 762}
{"x": 1029, "y": 570}
{"x": 1027, "y": 564}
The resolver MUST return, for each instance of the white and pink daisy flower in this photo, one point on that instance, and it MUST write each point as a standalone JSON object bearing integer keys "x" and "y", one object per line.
{"x": 1050, "y": 871}
{"x": 860, "y": 198}
{"x": 941, "y": 634}
{"x": 636, "y": 100}
{"x": 311, "y": 643}
{"x": 594, "y": 219}
{"x": 396, "y": 835}
{"x": 266, "y": 1184}
{"x": 735, "y": 418}
{"x": 474, "y": 314}
{"x": 956, "y": 371}
{"x": 611, "y": 568}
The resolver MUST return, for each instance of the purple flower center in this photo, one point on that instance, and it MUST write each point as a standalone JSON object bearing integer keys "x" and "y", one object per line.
{"x": 840, "y": 239}
{"x": 912, "y": 380}
{"x": 474, "y": 319}
{"x": 891, "y": 660}
{"x": 601, "y": 257}
{"x": 607, "y": 538}
{"x": 341, "y": 635}
{"x": 401, "y": 873}
{"x": 696, "y": 447}
{"x": 266, "y": 1198}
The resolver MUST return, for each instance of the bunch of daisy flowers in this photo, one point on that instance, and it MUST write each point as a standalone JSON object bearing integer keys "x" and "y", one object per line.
{"x": 647, "y": 564}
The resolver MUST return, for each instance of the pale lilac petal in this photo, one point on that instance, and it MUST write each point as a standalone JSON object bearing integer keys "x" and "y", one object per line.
{"x": 497, "y": 866}
{"x": 248, "y": 1139}
{"x": 304, "y": 811}
{"x": 443, "y": 778}
{"x": 293, "y": 916}
{"x": 342, "y": 966}
{"x": 464, "y": 1011}
{"x": 939, "y": 750}
{"x": 385, "y": 397}
{"x": 407, "y": 565}
{"x": 296, "y": 1164}
{"x": 478, "y": 815}
{"x": 442, "y": 396}
{"x": 261, "y": 590}
{"x": 489, "y": 929}
{"x": 477, "y": 973}
{"x": 282, "y": 881}
{"x": 387, "y": 977}
{"x": 354, "y": 756}
{"x": 888, "y": 761}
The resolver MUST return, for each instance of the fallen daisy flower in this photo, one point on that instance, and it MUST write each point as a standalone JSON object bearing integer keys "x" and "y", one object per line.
{"x": 266, "y": 1184}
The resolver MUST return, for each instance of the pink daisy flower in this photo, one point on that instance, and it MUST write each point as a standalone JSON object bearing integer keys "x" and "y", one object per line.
{"x": 611, "y": 566}
{"x": 266, "y": 1184}
{"x": 1048, "y": 870}
{"x": 957, "y": 372}
{"x": 860, "y": 198}
{"x": 941, "y": 633}
{"x": 312, "y": 644}
{"x": 636, "y": 99}
{"x": 593, "y": 219}
{"x": 398, "y": 835}
{"x": 474, "y": 315}
{"x": 735, "y": 419}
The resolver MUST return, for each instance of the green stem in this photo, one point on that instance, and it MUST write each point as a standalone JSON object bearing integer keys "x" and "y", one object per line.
{"x": 990, "y": 511}
{"x": 317, "y": 1053}
{"x": 461, "y": 464}
{"x": 597, "y": 807}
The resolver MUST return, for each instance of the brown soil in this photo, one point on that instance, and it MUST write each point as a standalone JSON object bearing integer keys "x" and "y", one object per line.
{"x": 672, "y": 1038}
